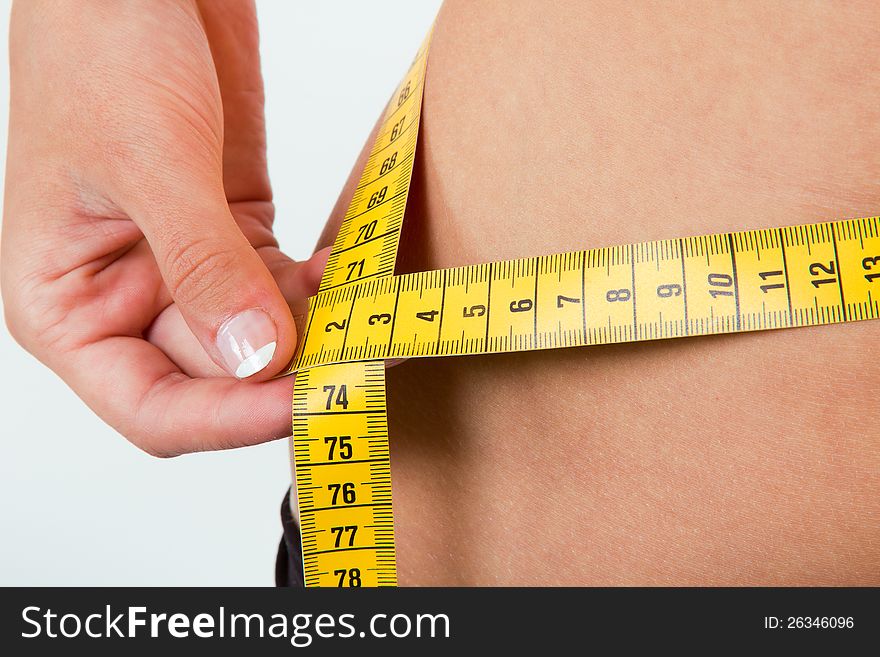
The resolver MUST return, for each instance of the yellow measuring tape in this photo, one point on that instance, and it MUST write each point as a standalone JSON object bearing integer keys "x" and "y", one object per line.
{"x": 731, "y": 282}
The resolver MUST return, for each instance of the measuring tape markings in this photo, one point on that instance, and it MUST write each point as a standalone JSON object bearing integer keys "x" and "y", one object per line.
{"x": 339, "y": 449}
{"x": 344, "y": 476}
{"x": 371, "y": 225}
{"x": 723, "y": 283}
{"x": 728, "y": 282}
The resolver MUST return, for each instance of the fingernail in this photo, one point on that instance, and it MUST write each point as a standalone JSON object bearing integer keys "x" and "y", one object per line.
{"x": 247, "y": 342}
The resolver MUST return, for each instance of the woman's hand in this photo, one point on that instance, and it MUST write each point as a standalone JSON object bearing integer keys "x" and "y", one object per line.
{"x": 138, "y": 260}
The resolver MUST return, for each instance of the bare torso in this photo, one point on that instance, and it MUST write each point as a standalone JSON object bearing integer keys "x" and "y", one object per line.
{"x": 747, "y": 459}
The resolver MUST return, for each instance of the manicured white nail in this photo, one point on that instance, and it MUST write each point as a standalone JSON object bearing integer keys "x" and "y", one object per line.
{"x": 247, "y": 342}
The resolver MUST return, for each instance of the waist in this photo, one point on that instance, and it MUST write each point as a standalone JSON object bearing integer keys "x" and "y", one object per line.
{"x": 747, "y": 459}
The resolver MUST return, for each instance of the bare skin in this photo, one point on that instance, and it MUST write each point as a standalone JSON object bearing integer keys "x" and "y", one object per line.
{"x": 749, "y": 459}
{"x": 137, "y": 222}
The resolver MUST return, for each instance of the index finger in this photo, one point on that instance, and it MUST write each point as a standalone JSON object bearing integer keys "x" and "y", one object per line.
{"x": 140, "y": 392}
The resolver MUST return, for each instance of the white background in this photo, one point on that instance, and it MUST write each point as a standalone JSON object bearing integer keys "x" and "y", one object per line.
{"x": 79, "y": 504}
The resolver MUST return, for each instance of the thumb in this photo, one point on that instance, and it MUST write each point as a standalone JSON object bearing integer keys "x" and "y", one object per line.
{"x": 224, "y": 291}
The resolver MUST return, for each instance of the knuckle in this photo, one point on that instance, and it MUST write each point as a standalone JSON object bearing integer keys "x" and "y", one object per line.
{"x": 14, "y": 318}
{"x": 149, "y": 423}
{"x": 199, "y": 270}
{"x": 30, "y": 322}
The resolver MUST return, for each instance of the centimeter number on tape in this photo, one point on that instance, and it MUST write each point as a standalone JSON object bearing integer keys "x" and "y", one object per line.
{"x": 339, "y": 448}
{"x": 725, "y": 283}
{"x": 754, "y": 280}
